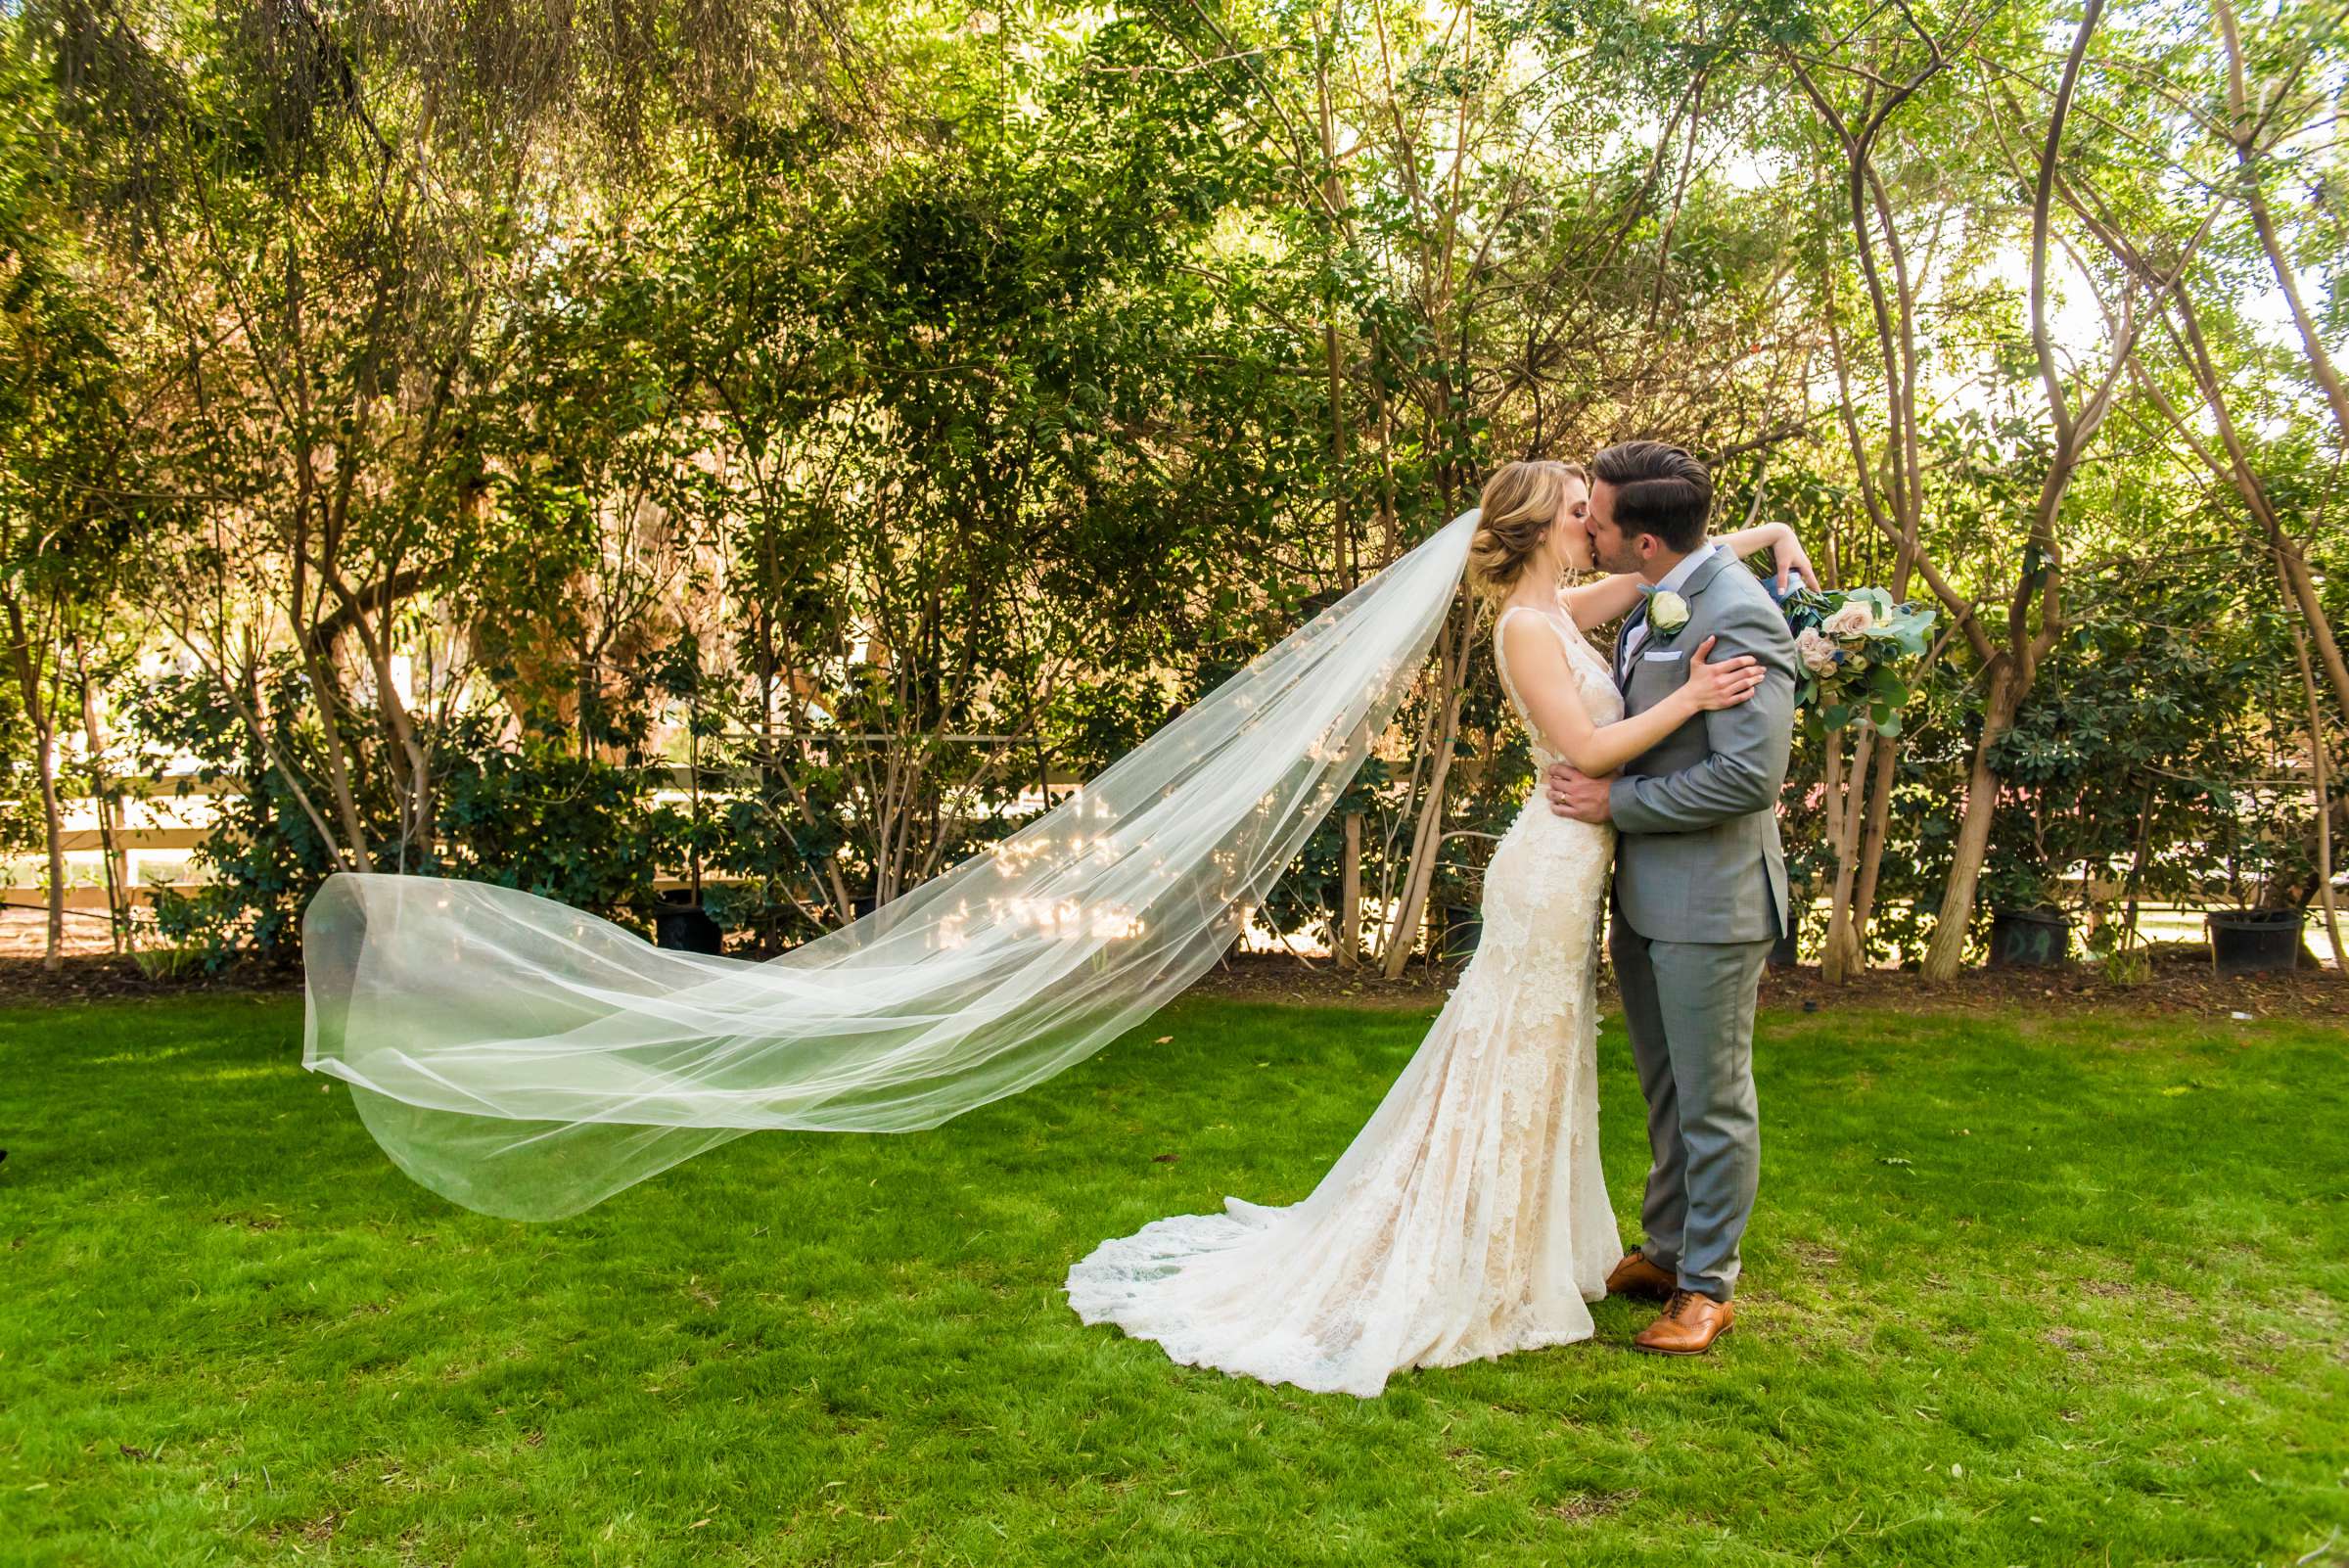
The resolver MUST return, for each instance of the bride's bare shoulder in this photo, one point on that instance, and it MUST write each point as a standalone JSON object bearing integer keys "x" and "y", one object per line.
{"x": 1533, "y": 638}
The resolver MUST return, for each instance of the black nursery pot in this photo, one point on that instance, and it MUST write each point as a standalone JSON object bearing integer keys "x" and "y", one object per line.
{"x": 2030, "y": 938}
{"x": 2248, "y": 942}
{"x": 1783, "y": 953}
{"x": 1461, "y": 928}
{"x": 683, "y": 926}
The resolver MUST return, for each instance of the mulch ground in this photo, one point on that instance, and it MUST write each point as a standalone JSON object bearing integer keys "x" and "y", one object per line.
{"x": 91, "y": 977}
{"x": 2182, "y": 985}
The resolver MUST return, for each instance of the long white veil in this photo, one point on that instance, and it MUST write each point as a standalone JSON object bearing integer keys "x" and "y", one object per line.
{"x": 528, "y": 1060}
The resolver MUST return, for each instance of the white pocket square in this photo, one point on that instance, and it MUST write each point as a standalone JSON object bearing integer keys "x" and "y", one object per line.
{"x": 1662, "y": 658}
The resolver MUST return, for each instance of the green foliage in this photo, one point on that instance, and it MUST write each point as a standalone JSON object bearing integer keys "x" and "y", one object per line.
{"x": 265, "y": 857}
{"x": 574, "y": 829}
{"x": 2137, "y": 734}
{"x": 578, "y": 830}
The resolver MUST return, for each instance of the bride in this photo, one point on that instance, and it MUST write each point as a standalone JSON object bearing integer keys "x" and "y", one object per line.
{"x": 1469, "y": 1218}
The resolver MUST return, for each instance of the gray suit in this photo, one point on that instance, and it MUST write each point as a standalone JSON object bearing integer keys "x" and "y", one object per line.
{"x": 1700, "y": 894}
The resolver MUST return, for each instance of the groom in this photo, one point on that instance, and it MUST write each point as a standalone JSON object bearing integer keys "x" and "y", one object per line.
{"x": 1700, "y": 881}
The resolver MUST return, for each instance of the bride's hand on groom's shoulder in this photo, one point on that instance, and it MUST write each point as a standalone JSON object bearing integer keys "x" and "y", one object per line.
{"x": 1719, "y": 685}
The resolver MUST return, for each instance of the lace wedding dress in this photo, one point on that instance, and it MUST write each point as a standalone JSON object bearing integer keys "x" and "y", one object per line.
{"x": 1469, "y": 1218}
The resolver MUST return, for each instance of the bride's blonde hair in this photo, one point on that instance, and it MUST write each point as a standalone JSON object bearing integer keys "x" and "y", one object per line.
{"x": 1520, "y": 503}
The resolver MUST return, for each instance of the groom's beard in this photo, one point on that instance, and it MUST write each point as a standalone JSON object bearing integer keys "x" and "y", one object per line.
{"x": 1626, "y": 560}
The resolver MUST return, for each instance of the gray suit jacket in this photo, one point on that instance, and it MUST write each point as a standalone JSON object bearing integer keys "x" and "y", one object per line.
{"x": 1698, "y": 859}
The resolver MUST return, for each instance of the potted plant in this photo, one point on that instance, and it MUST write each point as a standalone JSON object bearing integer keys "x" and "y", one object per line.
{"x": 1804, "y": 866}
{"x": 680, "y": 922}
{"x": 1457, "y": 899}
{"x": 2246, "y": 941}
{"x": 2029, "y": 927}
{"x": 2255, "y": 932}
{"x": 2039, "y": 937}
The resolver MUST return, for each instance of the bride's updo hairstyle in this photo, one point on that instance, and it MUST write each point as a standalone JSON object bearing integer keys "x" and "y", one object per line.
{"x": 1520, "y": 503}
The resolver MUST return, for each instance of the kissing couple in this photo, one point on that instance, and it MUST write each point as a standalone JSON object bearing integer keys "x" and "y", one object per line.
{"x": 1469, "y": 1218}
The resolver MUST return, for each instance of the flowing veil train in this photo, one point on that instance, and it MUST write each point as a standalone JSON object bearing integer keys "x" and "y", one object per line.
{"x": 528, "y": 1060}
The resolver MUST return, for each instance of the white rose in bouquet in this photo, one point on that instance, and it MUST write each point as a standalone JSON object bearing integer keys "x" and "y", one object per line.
{"x": 1855, "y": 620}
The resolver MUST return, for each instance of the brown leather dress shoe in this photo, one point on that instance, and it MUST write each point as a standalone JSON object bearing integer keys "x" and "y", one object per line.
{"x": 1688, "y": 1326}
{"x": 1635, "y": 1276}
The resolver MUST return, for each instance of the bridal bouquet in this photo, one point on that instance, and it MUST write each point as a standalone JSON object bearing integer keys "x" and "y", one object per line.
{"x": 1858, "y": 650}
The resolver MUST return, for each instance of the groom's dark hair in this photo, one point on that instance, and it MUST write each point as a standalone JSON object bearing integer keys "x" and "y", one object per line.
{"x": 1659, "y": 490}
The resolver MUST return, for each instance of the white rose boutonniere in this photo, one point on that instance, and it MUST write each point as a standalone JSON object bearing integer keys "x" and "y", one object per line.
{"x": 1667, "y": 614}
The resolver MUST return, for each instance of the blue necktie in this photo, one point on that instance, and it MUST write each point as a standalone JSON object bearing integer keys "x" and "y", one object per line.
{"x": 1632, "y": 624}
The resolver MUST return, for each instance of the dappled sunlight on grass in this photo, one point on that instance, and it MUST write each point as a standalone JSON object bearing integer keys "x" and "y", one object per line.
{"x": 2018, "y": 1290}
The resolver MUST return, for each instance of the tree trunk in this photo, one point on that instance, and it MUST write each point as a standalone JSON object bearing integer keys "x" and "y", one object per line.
{"x": 2137, "y": 862}
{"x": 53, "y": 821}
{"x": 1832, "y": 792}
{"x": 2242, "y": 132}
{"x": 1871, "y": 844}
{"x": 1350, "y": 894}
{"x": 1451, "y": 668}
{"x": 1843, "y": 952}
{"x": 352, "y": 853}
{"x": 112, "y": 820}
{"x": 42, "y": 716}
{"x": 1333, "y": 198}
{"x": 2320, "y": 778}
{"x": 2311, "y": 601}
{"x": 2238, "y": 470}
{"x": 2015, "y": 669}
{"x": 1947, "y": 951}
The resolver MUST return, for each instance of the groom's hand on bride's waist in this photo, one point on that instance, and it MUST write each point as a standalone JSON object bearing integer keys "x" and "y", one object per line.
{"x": 1576, "y": 794}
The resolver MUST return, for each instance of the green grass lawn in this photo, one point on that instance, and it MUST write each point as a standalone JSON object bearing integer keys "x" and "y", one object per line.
{"x": 2019, "y": 1290}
